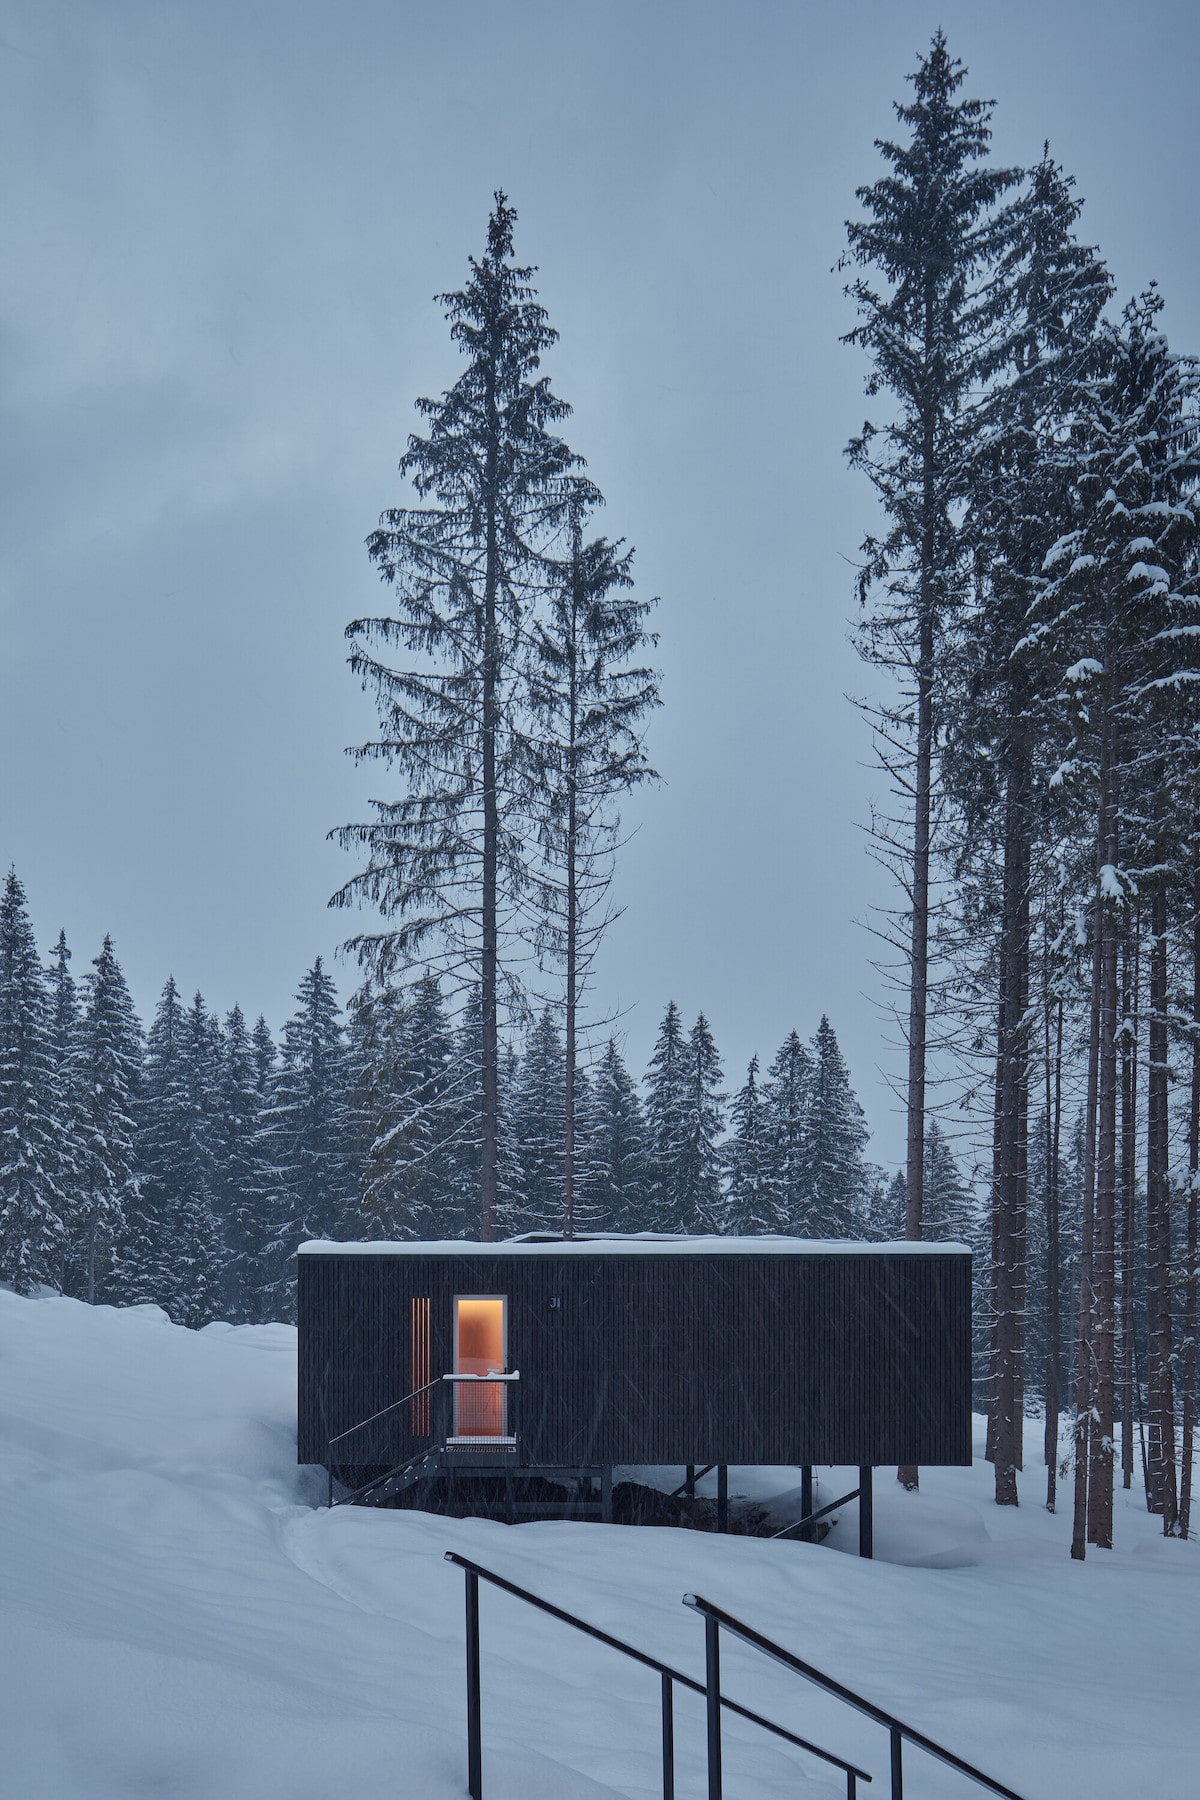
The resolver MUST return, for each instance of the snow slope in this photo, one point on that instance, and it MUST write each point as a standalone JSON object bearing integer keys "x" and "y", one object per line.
{"x": 179, "y": 1619}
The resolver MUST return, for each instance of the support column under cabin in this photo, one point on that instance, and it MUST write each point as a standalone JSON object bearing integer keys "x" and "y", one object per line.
{"x": 866, "y": 1513}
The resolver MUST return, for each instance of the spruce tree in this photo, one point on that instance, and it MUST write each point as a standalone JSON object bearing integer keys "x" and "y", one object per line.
{"x": 538, "y": 1099}
{"x": 786, "y": 1091}
{"x": 752, "y": 1187}
{"x": 191, "y": 1251}
{"x": 306, "y": 1126}
{"x": 932, "y": 232}
{"x": 448, "y": 859}
{"x": 666, "y": 1125}
{"x": 110, "y": 1066}
{"x": 589, "y": 698}
{"x": 240, "y": 1186}
{"x": 410, "y": 1122}
{"x": 615, "y": 1153}
{"x": 33, "y": 1197}
{"x": 1115, "y": 623}
{"x": 66, "y": 1018}
{"x": 834, "y": 1174}
{"x": 1051, "y": 292}
{"x": 144, "y": 1272}
{"x": 699, "y": 1198}
{"x": 951, "y": 1215}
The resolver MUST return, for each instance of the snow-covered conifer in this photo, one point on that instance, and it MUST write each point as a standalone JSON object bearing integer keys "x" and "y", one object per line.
{"x": 699, "y": 1200}
{"x": 951, "y": 1212}
{"x": 241, "y": 1177}
{"x": 306, "y": 1130}
{"x": 144, "y": 1263}
{"x": 835, "y": 1177}
{"x": 666, "y": 1124}
{"x": 449, "y": 859}
{"x": 33, "y": 1203}
{"x": 110, "y": 1065}
{"x": 752, "y": 1187}
{"x": 615, "y": 1153}
{"x": 785, "y": 1093}
{"x": 537, "y": 1102}
{"x": 589, "y": 699}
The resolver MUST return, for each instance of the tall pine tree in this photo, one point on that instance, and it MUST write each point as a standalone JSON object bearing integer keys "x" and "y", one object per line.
{"x": 448, "y": 860}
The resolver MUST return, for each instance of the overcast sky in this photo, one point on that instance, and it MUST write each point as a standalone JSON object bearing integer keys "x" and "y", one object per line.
{"x": 225, "y": 222}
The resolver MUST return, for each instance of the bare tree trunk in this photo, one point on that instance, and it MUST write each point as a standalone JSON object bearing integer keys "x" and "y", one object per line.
{"x": 1010, "y": 1182}
{"x": 918, "y": 1000}
{"x": 489, "y": 1019}
{"x": 1161, "y": 1396}
{"x": 1193, "y": 1248}
{"x": 1053, "y": 1383}
{"x": 1104, "y": 1291}
{"x": 995, "y": 1210}
{"x": 1130, "y": 994}
{"x": 572, "y": 995}
{"x": 1083, "y": 1351}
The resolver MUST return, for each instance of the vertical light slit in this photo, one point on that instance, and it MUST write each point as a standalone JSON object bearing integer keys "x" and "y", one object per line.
{"x": 419, "y": 1362}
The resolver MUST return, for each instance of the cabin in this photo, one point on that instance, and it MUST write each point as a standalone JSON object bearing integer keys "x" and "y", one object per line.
{"x": 566, "y": 1357}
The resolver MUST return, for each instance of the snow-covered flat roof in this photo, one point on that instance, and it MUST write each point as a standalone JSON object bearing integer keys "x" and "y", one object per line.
{"x": 644, "y": 1243}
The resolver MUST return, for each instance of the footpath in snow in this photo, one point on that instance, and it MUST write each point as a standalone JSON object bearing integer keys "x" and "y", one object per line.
{"x": 179, "y": 1618}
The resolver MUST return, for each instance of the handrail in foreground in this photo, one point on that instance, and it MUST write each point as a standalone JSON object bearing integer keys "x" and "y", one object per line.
{"x": 475, "y": 1573}
{"x": 715, "y": 1618}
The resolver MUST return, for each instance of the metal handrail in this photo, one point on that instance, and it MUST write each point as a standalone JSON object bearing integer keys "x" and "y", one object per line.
{"x": 475, "y": 1573}
{"x": 715, "y": 1617}
{"x": 383, "y": 1412}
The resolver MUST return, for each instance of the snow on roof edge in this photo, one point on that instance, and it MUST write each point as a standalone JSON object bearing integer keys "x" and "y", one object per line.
{"x": 645, "y": 1243}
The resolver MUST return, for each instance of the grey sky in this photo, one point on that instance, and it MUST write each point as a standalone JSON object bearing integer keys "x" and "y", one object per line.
{"x": 225, "y": 223}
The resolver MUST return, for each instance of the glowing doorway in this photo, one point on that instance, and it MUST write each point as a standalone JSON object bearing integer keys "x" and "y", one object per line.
{"x": 480, "y": 1348}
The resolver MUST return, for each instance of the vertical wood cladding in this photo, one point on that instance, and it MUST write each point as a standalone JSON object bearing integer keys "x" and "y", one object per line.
{"x": 637, "y": 1358}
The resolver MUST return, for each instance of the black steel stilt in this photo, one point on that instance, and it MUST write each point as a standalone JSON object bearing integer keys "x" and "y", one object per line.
{"x": 723, "y": 1497}
{"x": 474, "y": 1726}
{"x": 712, "y": 1689}
{"x": 689, "y": 1481}
{"x": 866, "y": 1513}
{"x": 668, "y": 1737}
{"x": 806, "y": 1500}
{"x": 606, "y": 1512}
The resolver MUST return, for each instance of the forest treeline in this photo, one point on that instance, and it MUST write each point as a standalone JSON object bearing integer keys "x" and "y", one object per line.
{"x": 182, "y": 1165}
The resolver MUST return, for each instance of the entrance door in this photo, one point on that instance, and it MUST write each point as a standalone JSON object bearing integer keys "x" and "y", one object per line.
{"x": 480, "y": 1347}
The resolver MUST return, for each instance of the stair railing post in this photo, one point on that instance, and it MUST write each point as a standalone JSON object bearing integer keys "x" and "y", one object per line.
{"x": 668, "y": 1737}
{"x": 474, "y": 1727}
{"x": 712, "y": 1695}
{"x": 897, "y": 1763}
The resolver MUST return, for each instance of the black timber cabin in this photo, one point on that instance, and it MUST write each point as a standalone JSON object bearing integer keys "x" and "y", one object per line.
{"x": 565, "y": 1357}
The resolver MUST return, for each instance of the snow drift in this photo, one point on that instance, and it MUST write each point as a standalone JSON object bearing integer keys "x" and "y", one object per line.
{"x": 180, "y": 1618}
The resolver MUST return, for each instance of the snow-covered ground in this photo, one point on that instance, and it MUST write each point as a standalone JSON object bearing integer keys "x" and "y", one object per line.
{"x": 179, "y": 1619}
